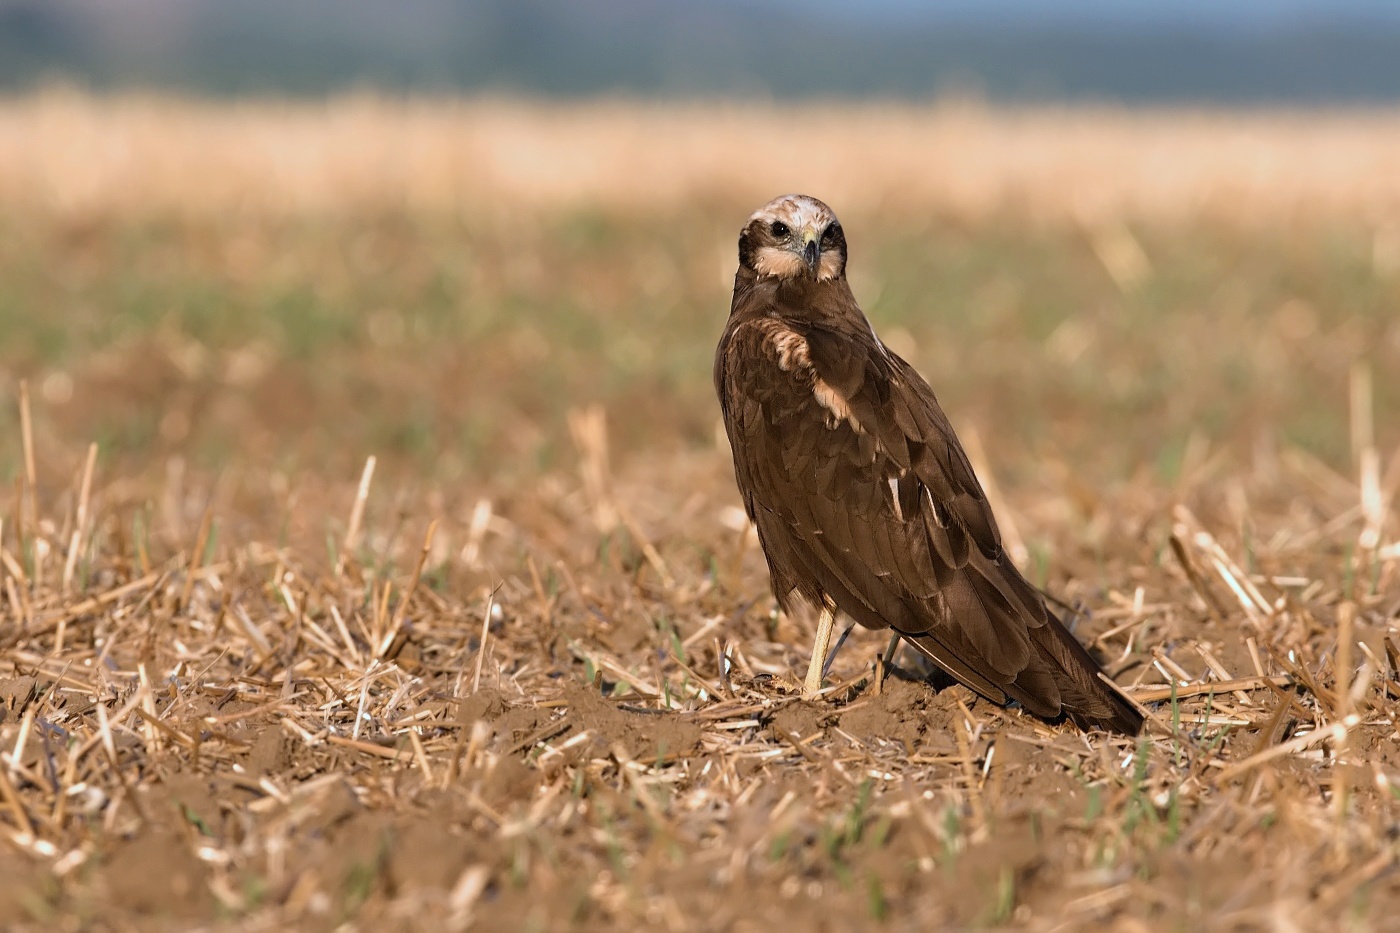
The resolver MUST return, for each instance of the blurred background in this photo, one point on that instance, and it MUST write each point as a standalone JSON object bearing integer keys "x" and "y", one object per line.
{"x": 1147, "y": 253}
{"x": 1119, "y": 237}
{"x": 1131, "y": 51}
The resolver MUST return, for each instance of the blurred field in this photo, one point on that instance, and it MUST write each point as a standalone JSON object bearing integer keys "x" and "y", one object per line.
{"x": 1172, "y": 341}
{"x": 84, "y": 157}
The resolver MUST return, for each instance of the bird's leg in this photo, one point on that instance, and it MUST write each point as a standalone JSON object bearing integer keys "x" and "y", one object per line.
{"x": 825, "y": 624}
{"x": 882, "y": 670}
{"x": 887, "y": 658}
{"x": 835, "y": 650}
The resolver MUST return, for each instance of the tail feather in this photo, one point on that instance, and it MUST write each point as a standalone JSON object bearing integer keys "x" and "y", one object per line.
{"x": 1068, "y": 680}
{"x": 1086, "y": 694}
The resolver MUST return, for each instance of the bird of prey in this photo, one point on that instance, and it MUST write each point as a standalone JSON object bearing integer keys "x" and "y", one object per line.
{"x": 864, "y": 500}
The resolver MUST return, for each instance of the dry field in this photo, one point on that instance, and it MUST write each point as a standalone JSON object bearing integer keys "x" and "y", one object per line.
{"x": 370, "y": 557}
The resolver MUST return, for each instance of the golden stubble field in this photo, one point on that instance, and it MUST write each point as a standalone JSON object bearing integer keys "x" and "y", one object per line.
{"x": 369, "y": 555}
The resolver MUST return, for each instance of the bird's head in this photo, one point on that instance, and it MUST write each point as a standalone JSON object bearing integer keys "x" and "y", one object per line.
{"x": 794, "y": 237}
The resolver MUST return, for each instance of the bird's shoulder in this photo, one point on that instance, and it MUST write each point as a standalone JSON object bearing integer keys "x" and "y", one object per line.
{"x": 827, "y": 392}
{"x": 807, "y": 335}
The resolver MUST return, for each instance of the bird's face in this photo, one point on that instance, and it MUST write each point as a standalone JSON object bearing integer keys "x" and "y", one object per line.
{"x": 793, "y": 237}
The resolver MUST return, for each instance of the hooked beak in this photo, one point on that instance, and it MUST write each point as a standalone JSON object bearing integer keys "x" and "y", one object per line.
{"x": 811, "y": 250}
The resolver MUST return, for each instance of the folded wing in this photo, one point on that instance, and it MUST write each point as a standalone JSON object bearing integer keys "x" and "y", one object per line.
{"x": 860, "y": 490}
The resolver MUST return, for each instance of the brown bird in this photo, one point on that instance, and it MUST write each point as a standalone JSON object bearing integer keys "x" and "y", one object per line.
{"x": 862, "y": 495}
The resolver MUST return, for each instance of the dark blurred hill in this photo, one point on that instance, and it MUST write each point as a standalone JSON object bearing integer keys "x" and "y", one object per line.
{"x": 1348, "y": 53}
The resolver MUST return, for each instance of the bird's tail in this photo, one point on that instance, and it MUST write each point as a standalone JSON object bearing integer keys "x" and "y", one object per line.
{"x": 1087, "y": 696}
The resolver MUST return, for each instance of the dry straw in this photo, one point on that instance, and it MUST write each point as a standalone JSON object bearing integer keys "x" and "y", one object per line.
{"x": 558, "y": 700}
{"x": 359, "y": 679}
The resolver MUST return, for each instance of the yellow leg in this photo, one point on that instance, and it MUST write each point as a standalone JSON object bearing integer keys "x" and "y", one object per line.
{"x": 819, "y": 649}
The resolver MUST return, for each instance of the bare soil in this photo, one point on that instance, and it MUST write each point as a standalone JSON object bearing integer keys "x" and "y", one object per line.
{"x": 527, "y": 674}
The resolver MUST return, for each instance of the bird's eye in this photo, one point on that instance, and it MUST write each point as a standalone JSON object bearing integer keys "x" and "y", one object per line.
{"x": 780, "y": 229}
{"x": 830, "y": 233}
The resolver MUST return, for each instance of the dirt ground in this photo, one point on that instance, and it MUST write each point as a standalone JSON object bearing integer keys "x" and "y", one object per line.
{"x": 258, "y": 742}
{"x": 521, "y": 670}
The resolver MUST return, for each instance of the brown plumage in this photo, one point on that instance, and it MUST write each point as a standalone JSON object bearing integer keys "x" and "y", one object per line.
{"x": 862, "y": 495}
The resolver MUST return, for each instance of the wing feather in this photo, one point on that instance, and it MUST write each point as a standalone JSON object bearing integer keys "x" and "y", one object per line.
{"x": 861, "y": 492}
